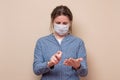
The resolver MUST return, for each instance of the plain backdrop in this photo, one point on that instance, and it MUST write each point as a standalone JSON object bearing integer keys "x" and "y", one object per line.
{"x": 22, "y": 22}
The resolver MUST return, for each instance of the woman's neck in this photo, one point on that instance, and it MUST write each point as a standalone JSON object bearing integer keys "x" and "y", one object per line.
{"x": 58, "y": 36}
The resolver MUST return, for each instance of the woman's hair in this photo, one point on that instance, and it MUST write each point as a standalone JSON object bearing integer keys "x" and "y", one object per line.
{"x": 61, "y": 10}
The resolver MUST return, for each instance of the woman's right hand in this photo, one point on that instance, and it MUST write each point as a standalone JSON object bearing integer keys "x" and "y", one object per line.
{"x": 55, "y": 59}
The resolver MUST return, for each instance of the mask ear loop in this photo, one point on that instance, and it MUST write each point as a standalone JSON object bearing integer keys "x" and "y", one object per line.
{"x": 51, "y": 28}
{"x": 70, "y": 28}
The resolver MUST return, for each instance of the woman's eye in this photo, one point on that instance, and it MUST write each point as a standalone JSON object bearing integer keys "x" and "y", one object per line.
{"x": 65, "y": 23}
{"x": 58, "y": 22}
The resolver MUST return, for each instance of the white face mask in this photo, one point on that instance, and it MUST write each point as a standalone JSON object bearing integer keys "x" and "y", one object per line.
{"x": 61, "y": 29}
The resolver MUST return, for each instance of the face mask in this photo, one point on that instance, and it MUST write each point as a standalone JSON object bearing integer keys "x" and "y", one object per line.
{"x": 61, "y": 29}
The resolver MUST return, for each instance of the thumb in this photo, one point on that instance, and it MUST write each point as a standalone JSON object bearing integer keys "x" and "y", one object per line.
{"x": 59, "y": 53}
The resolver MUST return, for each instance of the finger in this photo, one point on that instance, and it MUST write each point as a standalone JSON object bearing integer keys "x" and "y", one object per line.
{"x": 70, "y": 62}
{"x": 71, "y": 59}
{"x": 65, "y": 62}
{"x": 59, "y": 54}
{"x": 53, "y": 61}
{"x": 80, "y": 59}
{"x": 57, "y": 57}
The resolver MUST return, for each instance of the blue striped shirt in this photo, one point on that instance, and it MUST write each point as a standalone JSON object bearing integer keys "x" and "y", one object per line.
{"x": 71, "y": 47}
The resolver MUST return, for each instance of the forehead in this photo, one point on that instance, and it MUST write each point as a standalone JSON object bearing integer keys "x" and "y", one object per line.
{"x": 61, "y": 18}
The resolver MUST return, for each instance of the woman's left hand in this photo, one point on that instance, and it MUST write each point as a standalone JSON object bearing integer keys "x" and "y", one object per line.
{"x": 75, "y": 63}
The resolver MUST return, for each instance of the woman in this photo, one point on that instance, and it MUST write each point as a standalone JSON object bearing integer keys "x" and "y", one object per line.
{"x": 60, "y": 55}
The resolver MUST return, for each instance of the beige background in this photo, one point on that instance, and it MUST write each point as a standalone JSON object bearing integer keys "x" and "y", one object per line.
{"x": 22, "y": 22}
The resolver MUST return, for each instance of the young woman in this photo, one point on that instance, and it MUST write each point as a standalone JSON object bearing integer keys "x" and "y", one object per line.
{"x": 60, "y": 55}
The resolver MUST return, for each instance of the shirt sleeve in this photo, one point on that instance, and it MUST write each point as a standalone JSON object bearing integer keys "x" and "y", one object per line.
{"x": 83, "y": 70}
{"x": 39, "y": 64}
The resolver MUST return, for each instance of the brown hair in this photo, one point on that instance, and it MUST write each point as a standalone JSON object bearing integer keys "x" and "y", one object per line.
{"x": 61, "y": 10}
